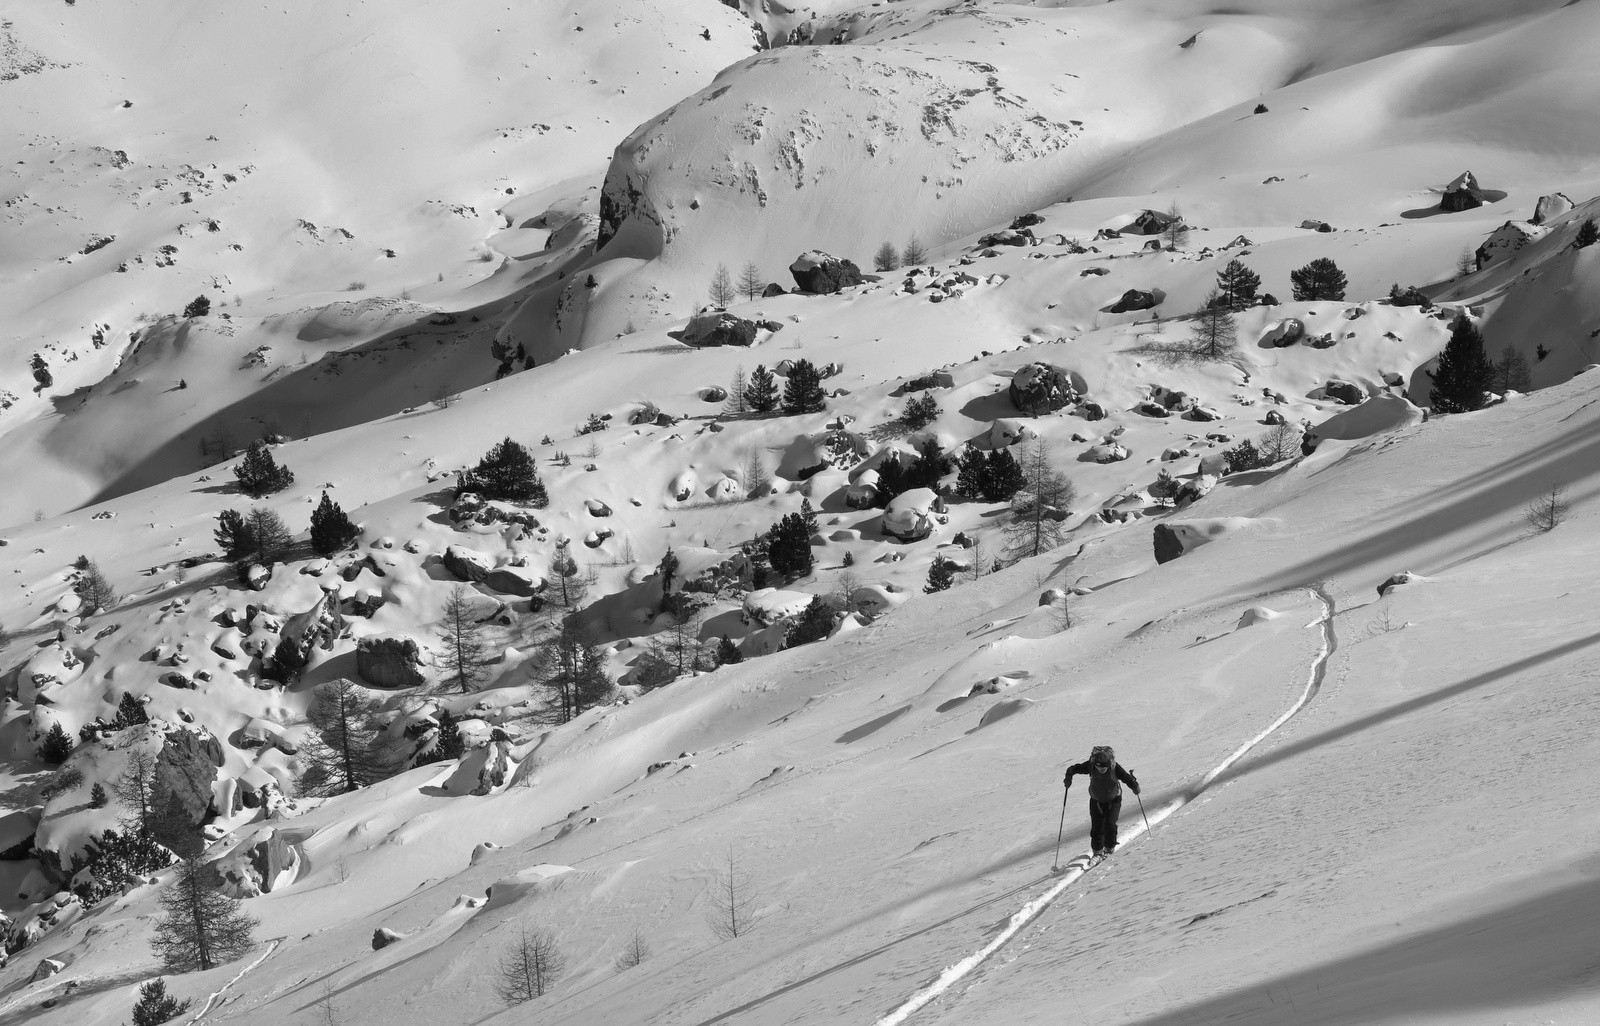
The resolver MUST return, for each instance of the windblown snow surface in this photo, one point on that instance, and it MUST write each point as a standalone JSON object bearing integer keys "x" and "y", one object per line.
{"x": 1362, "y": 807}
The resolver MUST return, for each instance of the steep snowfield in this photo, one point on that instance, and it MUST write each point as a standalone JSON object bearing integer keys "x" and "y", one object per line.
{"x": 1366, "y": 807}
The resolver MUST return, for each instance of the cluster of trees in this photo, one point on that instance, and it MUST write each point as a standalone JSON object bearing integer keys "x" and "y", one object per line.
{"x": 896, "y": 477}
{"x": 1281, "y": 442}
{"x": 260, "y": 535}
{"x": 993, "y": 476}
{"x": 1036, "y": 521}
{"x": 802, "y": 391}
{"x": 1464, "y": 376}
{"x": 725, "y": 289}
{"x": 93, "y": 587}
{"x": 888, "y": 258}
{"x": 921, "y": 410}
{"x": 788, "y": 543}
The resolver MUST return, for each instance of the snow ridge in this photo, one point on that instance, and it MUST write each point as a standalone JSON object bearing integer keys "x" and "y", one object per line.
{"x": 1026, "y": 913}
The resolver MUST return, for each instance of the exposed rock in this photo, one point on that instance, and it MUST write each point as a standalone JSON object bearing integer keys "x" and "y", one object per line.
{"x": 1007, "y": 237}
{"x": 1462, "y": 194}
{"x": 515, "y": 580}
{"x": 1214, "y": 465}
{"x": 596, "y": 508}
{"x": 1052, "y": 596}
{"x": 1008, "y": 432}
{"x": 1202, "y": 413}
{"x": 820, "y": 274}
{"x": 1345, "y": 392}
{"x": 1410, "y": 296}
{"x": 1044, "y": 388}
{"x": 1149, "y": 222}
{"x": 1273, "y": 417}
{"x": 713, "y": 394}
{"x": 772, "y": 289}
{"x": 1506, "y": 240}
{"x": 1403, "y": 577}
{"x": 1284, "y": 333}
{"x": 1550, "y": 207}
{"x": 47, "y": 968}
{"x": 382, "y": 937}
{"x": 719, "y": 328}
{"x": 1137, "y": 299}
{"x": 1172, "y": 399}
{"x": 1175, "y": 452}
{"x": 1151, "y": 408}
{"x": 1195, "y": 490}
{"x": 1168, "y": 547}
{"x": 466, "y": 564}
{"x": 390, "y": 661}
{"x": 1316, "y": 226}
{"x": 186, "y": 768}
{"x": 1092, "y": 410}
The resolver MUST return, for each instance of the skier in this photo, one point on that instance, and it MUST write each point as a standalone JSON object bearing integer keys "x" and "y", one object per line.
{"x": 1105, "y": 796}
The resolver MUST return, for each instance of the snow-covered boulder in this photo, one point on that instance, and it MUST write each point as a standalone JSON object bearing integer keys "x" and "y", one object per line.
{"x": 719, "y": 328}
{"x": 766, "y": 606}
{"x": 467, "y": 564}
{"x": 1346, "y": 392}
{"x": 1138, "y": 299}
{"x": 1106, "y": 452}
{"x": 1396, "y": 580}
{"x": 1550, "y": 207}
{"x": 912, "y": 515}
{"x": 53, "y": 665}
{"x": 515, "y": 580}
{"x": 1149, "y": 222}
{"x": 1284, "y": 333}
{"x": 1383, "y": 412}
{"x": 1044, "y": 388}
{"x": 877, "y": 599}
{"x": 1174, "y": 539}
{"x": 318, "y": 627}
{"x": 822, "y": 274}
{"x": 1007, "y": 432}
{"x": 1463, "y": 193}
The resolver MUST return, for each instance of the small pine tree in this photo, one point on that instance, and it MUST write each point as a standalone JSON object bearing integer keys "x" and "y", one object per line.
{"x": 891, "y": 478}
{"x": 1244, "y": 456}
{"x": 722, "y": 292}
{"x": 259, "y": 474}
{"x": 735, "y": 403}
{"x": 930, "y": 465}
{"x": 269, "y": 535}
{"x": 56, "y": 746}
{"x": 568, "y": 575}
{"x": 130, "y": 712}
{"x": 199, "y": 306}
{"x": 1034, "y": 524}
{"x": 507, "y": 471}
{"x": 199, "y": 928}
{"x": 921, "y": 410}
{"x": 528, "y": 967}
{"x": 1464, "y": 373}
{"x": 464, "y": 651}
{"x": 233, "y": 535}
{"x": 1213, "y": 336}
{"x": 941, "y": 575}
{"x": 667, "y": 570}
{"x": 1321, "y": 279}
{"x": 342, "y": 747}
{"x": 1002, "y": 477}
{"x": 761, "y": 395}
{"x": 808, "y": 516}
{"x": 331, "y": 530}
{"x": 1176, "y": 233}
{"x": 789, "y": 547}
{"x": 98, "y": 799}
{"x": 751, "y": 284}
{"x": 887, "y": 258}
{"x": 95, "y": 591}
{"x": 727, "y": 652}
{"x": 1588, "y": 234}
{"x": 1511, "y": 372}
{"x": 156, "y": 1006}
{"x": 914, "y": 253}
{"x": 813, "y": 624}
{"x": 1237, "y": 285}
{"x": 970, "y": 473}
{"x": 802, "y": 392}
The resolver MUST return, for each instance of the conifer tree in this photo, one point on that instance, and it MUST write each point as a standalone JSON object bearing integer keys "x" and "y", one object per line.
{"x": 342, "y": 747}
{"x": 1511, "y": 372}
{"x": 941, "y": 575}
{"x": 1237, "y": 285}
{"x": 528, "y": 967}
{"x": 1321, "y": 279}
{"x": 736, "y": 403}
{"x": 233, "y": 535}
{"x": 465, "y": 652}
{"x": 575, "y": 668}
{"x": 95, "y": 591}
{"x": 930, "y": 465}
{"x": 891, "y": 478}
{"x": 761, "y": 394}
{"x": 722, "y": 293}
{"x": 130, "y": 712}
{"x": 802, "y": 392}
{"x": 199, "y": 928}
{"x": 1588, "y": 234}
{"x": 914, "y": 253}
{"x": 259, "y": 474}
{"x": 507, "y": 471}
{"x": 887, "y": 258}
{"x": 970, "y": 476}
{"x": 789, "y": 546}
{"x": 1003, "y": 476}
{"x": 809, "y": 517}
{"x": 567, "y": 573}
{"x": 156, "y": 1006}
{"x": 1213, "y": 336}
{"x": 727, "y": 652}
{"x": 1176, "y": 232}
{"x": 921, "y": 410}
{"x": 667, "y": 569}
{"x": 1035, "y": 522}
{"x": 269, "y": 535}
{"x": 331, "y": 530}
{"x": 813, "y": 624}
{"x": 56, "y": 746}
{"x": 136, "y": 791}
{"x": 751, "y": 284}
{"x": 1464, "y": 373}
{"x": 98, "y": 799}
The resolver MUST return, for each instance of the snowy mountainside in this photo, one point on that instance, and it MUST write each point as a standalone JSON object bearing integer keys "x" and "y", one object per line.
{"x": 1333, "y": 673}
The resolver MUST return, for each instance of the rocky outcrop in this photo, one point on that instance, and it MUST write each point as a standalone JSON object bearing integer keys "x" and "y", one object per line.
{"x": 1168, "y": 547}
{"x": 466, "y": 564}
{"x": 820, "y": 274}
{"x": 1149, "y": 222}
{"x": 772, "y": 289}
{"x": 382, "y": 937}
{"x": 390, "y": 661}
{"x": 1395, "y": 580}
{"x": 1506, "y": 240}
{"x": 1106, "y": 452}
{"x": 719, "y": 329}
{"x": 1044, "y": 388}
{"x": 912, "y": 515}
{"x": 1550, "y": 207}
{"x": 1137, "y": 299}
{"x": 1462, "y": 194}
{"x": 515, "y": 580}
{"x": 1345, "y": 392}
{"x": 186, "y": 767}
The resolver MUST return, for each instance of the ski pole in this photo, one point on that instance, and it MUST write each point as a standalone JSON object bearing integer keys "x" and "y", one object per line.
{"x": 1057, "y": 863}
{"x": 1141, "y": 812}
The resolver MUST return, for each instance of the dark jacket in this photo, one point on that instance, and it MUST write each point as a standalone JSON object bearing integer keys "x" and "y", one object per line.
{"x": 1103, "y": 786}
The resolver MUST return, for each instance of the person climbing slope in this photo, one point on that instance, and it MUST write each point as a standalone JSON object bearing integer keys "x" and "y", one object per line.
{"x": 1105, "y": 795}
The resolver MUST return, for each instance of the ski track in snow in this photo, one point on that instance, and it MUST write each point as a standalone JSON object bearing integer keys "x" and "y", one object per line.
{"x": 212, "y": 1000}
{"x": 954, "y": 973}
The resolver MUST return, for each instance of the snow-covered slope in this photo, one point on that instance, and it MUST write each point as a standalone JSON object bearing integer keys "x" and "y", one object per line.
{"x": 1371, "y": 800}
